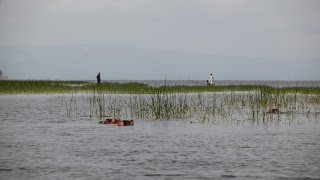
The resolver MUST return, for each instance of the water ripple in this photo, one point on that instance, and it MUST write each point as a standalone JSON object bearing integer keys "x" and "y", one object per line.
{"x": 38, "y": 141}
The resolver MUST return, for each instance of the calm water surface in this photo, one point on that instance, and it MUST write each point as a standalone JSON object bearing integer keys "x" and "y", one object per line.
{"x": 38, "y": 141}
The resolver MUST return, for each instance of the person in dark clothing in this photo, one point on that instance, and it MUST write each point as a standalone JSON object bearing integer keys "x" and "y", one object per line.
{"x": 98, "y": 78}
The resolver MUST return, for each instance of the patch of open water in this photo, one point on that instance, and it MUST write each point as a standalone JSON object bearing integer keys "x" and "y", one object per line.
{"x": 38, "y": 141}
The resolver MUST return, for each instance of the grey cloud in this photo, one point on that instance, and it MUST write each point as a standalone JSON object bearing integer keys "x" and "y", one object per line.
{"x": 267, "y": 29}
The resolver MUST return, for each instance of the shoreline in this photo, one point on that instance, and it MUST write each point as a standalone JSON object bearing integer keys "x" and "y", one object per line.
{"x": 86, "y": 87}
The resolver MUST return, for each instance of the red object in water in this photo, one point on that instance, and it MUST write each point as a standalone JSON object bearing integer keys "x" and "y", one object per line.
{"x": 118, "y": 122}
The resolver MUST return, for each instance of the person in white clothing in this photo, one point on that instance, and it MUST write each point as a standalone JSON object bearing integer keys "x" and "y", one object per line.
{"x": 210, "y": 80}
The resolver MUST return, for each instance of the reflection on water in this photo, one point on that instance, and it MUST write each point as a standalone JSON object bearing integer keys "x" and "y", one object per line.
{"x": 39, "y": 141}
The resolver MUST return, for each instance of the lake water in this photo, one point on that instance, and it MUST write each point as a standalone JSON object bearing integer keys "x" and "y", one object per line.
{"x": 39, "y": 141}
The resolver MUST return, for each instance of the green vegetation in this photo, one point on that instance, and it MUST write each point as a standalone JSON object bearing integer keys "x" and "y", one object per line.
{"x": 36, "y": 87}
{"x": 229, "y": 106}
{"x": 233, "y": 102}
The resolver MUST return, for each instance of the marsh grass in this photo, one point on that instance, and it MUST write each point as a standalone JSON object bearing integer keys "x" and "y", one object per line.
{"x": 239, "y": 107}
{"x": 136, "y": 100}
{"x": 36, "y": 87}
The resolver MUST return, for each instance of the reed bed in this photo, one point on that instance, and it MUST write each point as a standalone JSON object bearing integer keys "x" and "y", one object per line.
{"x": 244, "y": 103}
{"x": 202, "y": 107}
{"x": 46, "y": 86}
{"x": 41, "y": 86}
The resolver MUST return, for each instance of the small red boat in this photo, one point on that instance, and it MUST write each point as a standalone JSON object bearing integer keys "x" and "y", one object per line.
{"x": 118, "y": 122}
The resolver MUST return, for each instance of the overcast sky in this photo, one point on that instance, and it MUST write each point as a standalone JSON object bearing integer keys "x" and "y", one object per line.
{"x": 151, "y": 39}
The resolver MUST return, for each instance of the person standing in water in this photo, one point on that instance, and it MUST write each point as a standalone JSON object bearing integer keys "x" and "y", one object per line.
{"x": 98, "y": 78}
{"x": 210, "y": 80}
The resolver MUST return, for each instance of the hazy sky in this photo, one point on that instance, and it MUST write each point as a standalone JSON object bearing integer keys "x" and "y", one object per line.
{"x": 150, "y": 39}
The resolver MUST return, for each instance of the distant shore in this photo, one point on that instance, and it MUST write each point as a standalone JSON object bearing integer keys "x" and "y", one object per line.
{"x": 133, "y": 87}
{"x": 272, "y": 83}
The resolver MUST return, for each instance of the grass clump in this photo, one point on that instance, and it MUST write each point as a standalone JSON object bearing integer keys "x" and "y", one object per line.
{"x": 42, "y": 86}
